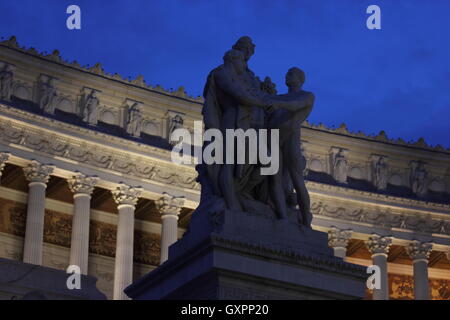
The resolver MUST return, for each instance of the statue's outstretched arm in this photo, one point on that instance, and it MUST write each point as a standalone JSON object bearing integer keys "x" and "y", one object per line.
{"x": 295, "y": 104}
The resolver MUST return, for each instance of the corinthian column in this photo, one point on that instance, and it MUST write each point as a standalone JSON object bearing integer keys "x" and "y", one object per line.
{"x": 379, "y": 247}
{"x": 4, "y": 156}
{"x": 420, "y": 252}
{"x": 37, "y": 174}
{"x": 126, "y": 198}
{"x": 169, "y": 207}
{"x": 338, "y": 240}
{"x": 82, "y": 187}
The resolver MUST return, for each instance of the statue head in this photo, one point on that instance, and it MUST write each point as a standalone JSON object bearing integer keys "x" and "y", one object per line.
{"x": 295, "y": 78}
{"x": 246, "y": 46}
{"x": 235, "y": 59}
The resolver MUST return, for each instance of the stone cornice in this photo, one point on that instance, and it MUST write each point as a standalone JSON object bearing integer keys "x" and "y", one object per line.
{"x": 377, "y": 198}
{"x": 287, "y": 254}
{"x": 97, "y": 70}
{"x": 381, "y": 137}
{"x": 362, "y": 218}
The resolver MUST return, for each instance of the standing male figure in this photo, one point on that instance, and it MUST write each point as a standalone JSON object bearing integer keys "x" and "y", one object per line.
{"x": 295, "y": 106}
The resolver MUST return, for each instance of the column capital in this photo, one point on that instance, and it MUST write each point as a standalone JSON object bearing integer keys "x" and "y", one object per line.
{"x": 338, "y": 238}
{"x": 169, "y": 205}
{"x": 125, "y": 194}
{"x": 378, "y": 244}
{"x": 82, "y": 184}
{"x": 419, "y": 250}
{"x": 38, "y": 172}
{"x": 4, "y": 156}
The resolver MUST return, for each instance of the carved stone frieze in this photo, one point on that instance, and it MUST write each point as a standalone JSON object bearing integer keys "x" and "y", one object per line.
{"x": 92, "y": 154}
{"x": 387, "y": 220}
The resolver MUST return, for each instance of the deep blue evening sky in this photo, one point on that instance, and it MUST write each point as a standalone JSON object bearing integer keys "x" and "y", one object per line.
{"x": 395, "y": 79}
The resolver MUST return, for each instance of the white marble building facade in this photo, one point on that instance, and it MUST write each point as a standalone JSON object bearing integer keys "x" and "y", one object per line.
{"x": 86, "y": 156}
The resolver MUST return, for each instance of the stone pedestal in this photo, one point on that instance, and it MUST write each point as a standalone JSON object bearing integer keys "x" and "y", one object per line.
{"x": 237, "y": 255}
{"x": 19, "y": 280}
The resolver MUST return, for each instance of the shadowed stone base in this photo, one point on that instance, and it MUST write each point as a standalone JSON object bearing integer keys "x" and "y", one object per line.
{"x": 19, "y": 280}
{"x": 237, "y": 255}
